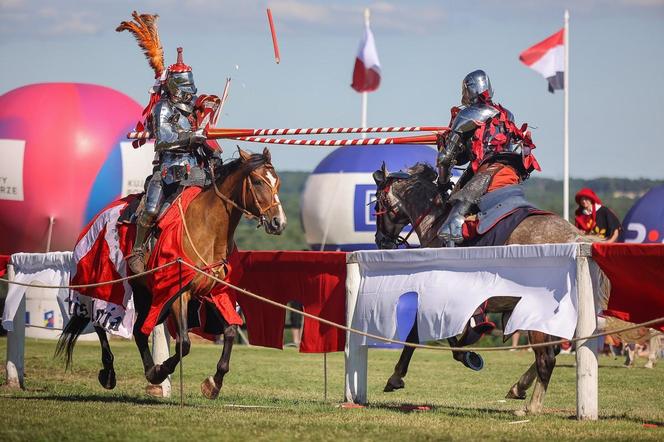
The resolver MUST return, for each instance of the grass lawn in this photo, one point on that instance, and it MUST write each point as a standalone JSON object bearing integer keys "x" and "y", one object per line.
{"x": 278, "y": 395}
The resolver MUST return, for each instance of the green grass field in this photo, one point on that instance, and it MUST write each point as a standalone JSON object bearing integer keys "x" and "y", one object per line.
{"x": 278, "y": 395}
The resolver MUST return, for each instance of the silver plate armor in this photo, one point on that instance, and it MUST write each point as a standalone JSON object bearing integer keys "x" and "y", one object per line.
{"x": 173, "y": 130}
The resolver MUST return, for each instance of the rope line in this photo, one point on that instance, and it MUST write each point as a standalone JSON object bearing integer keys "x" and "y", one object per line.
{"x": 96, "y": 284}
{"x": 409, "y": 344}
{"x": 344, "y": 327}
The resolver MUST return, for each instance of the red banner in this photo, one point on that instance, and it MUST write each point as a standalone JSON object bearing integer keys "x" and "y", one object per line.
{"x": 636, "y": 272}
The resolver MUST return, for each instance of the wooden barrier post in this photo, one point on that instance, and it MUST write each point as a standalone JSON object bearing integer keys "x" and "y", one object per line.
{"x": 356, "y": 355}
{"x": 16, "y": 343}
{"x": 586, "y": 350}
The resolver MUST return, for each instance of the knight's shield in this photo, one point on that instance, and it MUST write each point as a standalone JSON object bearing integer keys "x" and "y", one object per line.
{"x": 206, "y": 112}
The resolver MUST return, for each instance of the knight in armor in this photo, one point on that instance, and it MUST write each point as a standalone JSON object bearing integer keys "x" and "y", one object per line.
{"x": 483, "y": 134}
{"x": 179, "y": 149}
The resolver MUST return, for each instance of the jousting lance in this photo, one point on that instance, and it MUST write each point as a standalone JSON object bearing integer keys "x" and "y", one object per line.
{"x": 275, "y": 44}
{"x": 259, "y": 135}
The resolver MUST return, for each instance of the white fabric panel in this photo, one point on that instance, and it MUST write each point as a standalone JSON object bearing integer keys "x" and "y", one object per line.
{"x": 452, "y": 283}
{"x": 37, "y": 268}
{"x": 55, "y": 269}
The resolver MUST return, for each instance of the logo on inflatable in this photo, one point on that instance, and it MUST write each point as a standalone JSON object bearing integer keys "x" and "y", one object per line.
{"x": 363, "y": 208}
{"x": 642, "y": 234}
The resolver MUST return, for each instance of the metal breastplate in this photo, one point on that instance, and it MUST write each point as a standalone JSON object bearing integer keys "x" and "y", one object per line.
{"x": 172, "y": 128}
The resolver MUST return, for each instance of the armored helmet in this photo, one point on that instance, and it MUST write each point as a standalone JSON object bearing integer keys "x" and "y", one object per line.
{"x": 180, "y": 80}
{"x": 475, "y": 85}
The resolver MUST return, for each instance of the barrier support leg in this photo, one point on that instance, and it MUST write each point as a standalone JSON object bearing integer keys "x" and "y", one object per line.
{"x": 160, "y": 352}
{"x": 355, "y": 354}
{"x": 586, "y": 350}
{"x": 16, "y": 344}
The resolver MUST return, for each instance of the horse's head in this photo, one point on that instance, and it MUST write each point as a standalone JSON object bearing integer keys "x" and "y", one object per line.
{"x": 401, "y": 198}
{"x": 260, "y": 191}
{"x": 391, "y": 218}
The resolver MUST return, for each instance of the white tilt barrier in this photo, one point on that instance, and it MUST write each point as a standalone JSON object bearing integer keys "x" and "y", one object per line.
{"x": 47, "y": 310}
{"x": 553, "y": 282}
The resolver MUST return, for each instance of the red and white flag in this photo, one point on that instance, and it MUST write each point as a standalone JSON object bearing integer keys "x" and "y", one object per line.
{"x": 366, "y": 75}
{"x": 548, "y": 58}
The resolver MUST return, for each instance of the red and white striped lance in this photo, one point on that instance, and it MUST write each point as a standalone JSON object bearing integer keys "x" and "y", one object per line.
{"x": 214, "y": 133}
{"x": 422, "y": 139}
{"x": 345, "y": 130}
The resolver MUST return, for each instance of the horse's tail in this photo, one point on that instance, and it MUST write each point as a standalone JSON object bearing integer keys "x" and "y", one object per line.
{"x": 68, "y": 338}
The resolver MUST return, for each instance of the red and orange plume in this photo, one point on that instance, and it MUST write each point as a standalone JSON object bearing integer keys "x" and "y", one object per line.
{"x": 144, "y": 28}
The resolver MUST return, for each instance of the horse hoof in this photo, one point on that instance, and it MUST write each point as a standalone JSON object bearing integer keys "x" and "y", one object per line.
{"x": 514, "y": 393}
{"x": 156, "y": 374}
{"x": 393, "y": 385}
{"x": 107, "y": 378}
{"x": 209, "y": 388}
{"x": 473, "y": 361}
{"x": 155, "y": 390}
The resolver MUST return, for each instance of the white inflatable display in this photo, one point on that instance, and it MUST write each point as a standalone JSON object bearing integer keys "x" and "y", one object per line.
{"x": 337, "y": 203}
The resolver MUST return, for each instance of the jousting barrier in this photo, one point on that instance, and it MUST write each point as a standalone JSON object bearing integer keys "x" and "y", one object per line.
{"x": 565, "y": 273}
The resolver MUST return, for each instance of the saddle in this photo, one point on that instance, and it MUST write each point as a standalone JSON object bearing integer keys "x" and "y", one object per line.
{"x": 196, "y": 177}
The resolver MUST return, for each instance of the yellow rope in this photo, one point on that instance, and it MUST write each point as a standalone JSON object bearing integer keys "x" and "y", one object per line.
{"x": 409, "y": 344}
{"x": 97, "y": 284}
{"x": 186, "y": 231}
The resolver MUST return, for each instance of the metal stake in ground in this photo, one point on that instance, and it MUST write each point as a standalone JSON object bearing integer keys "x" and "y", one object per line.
{"x": 180, "y": 334}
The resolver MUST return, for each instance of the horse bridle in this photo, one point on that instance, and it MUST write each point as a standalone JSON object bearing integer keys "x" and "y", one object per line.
{"x": 380, "y": 236}
{"x": 394, "y": 210}
{"x": 247, "y": 183}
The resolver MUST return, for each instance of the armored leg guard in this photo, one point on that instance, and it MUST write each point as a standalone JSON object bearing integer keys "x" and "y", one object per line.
{"x": 136, "y": 260}
{"x": 452, "y": 229}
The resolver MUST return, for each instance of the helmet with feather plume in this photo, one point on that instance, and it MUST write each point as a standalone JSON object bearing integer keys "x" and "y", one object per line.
{"x": 178, "y": 78}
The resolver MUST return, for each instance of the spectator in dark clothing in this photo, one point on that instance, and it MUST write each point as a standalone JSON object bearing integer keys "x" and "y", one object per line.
{"x": 594, "y": 218}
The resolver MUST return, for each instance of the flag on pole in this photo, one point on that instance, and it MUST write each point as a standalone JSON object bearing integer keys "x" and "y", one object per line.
{"x": 548, "y": 58}
{"x": 366, "y": 75}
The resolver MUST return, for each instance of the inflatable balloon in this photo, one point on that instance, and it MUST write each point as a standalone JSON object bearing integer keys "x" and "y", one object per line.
{"x": 644, "y": 223}
{"x": 337, "y": 208}
{"x": 63, "y": 156}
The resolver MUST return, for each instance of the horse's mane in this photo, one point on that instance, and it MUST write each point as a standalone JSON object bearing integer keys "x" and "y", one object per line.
{"x": 255, "y": 161}
{"x": 419, "y": 188}
{"x": 422, "y": 169}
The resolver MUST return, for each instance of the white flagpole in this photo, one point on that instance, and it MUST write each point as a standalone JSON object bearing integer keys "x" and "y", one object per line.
{"x": 566, "y": 120}
{"x": 365, "y": 95}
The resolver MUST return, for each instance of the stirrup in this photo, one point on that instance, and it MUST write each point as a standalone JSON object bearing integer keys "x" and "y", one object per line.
{"x": 136, "y": 261}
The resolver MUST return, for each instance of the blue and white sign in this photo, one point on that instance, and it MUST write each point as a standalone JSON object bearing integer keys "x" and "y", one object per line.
{"x": 338, "y": 199}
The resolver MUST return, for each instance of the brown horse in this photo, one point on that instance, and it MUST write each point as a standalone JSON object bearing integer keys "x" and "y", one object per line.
{"x": 248, "y": 185}
{"x": 412, "y": 197}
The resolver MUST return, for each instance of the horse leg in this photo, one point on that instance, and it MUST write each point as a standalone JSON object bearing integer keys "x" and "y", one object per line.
{"x": 395, "y": 382}
{"x": 159, "y": 372}
{"x": 545, "y": 361}
{"x": 518, "y": 390}
{"x": 211, "y": 386}
{"x": 107, "y": 374}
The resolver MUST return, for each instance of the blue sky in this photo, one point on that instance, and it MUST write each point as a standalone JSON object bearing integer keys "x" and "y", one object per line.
{"x": 425, "y": 47}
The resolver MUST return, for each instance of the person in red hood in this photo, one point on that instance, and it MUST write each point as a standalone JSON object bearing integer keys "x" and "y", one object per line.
{"x": 594, "y": 218}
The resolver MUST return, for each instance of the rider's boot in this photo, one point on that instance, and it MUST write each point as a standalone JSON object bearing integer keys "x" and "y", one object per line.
{"x": 136, "y": 260}
{"x": 478, "y": 326}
